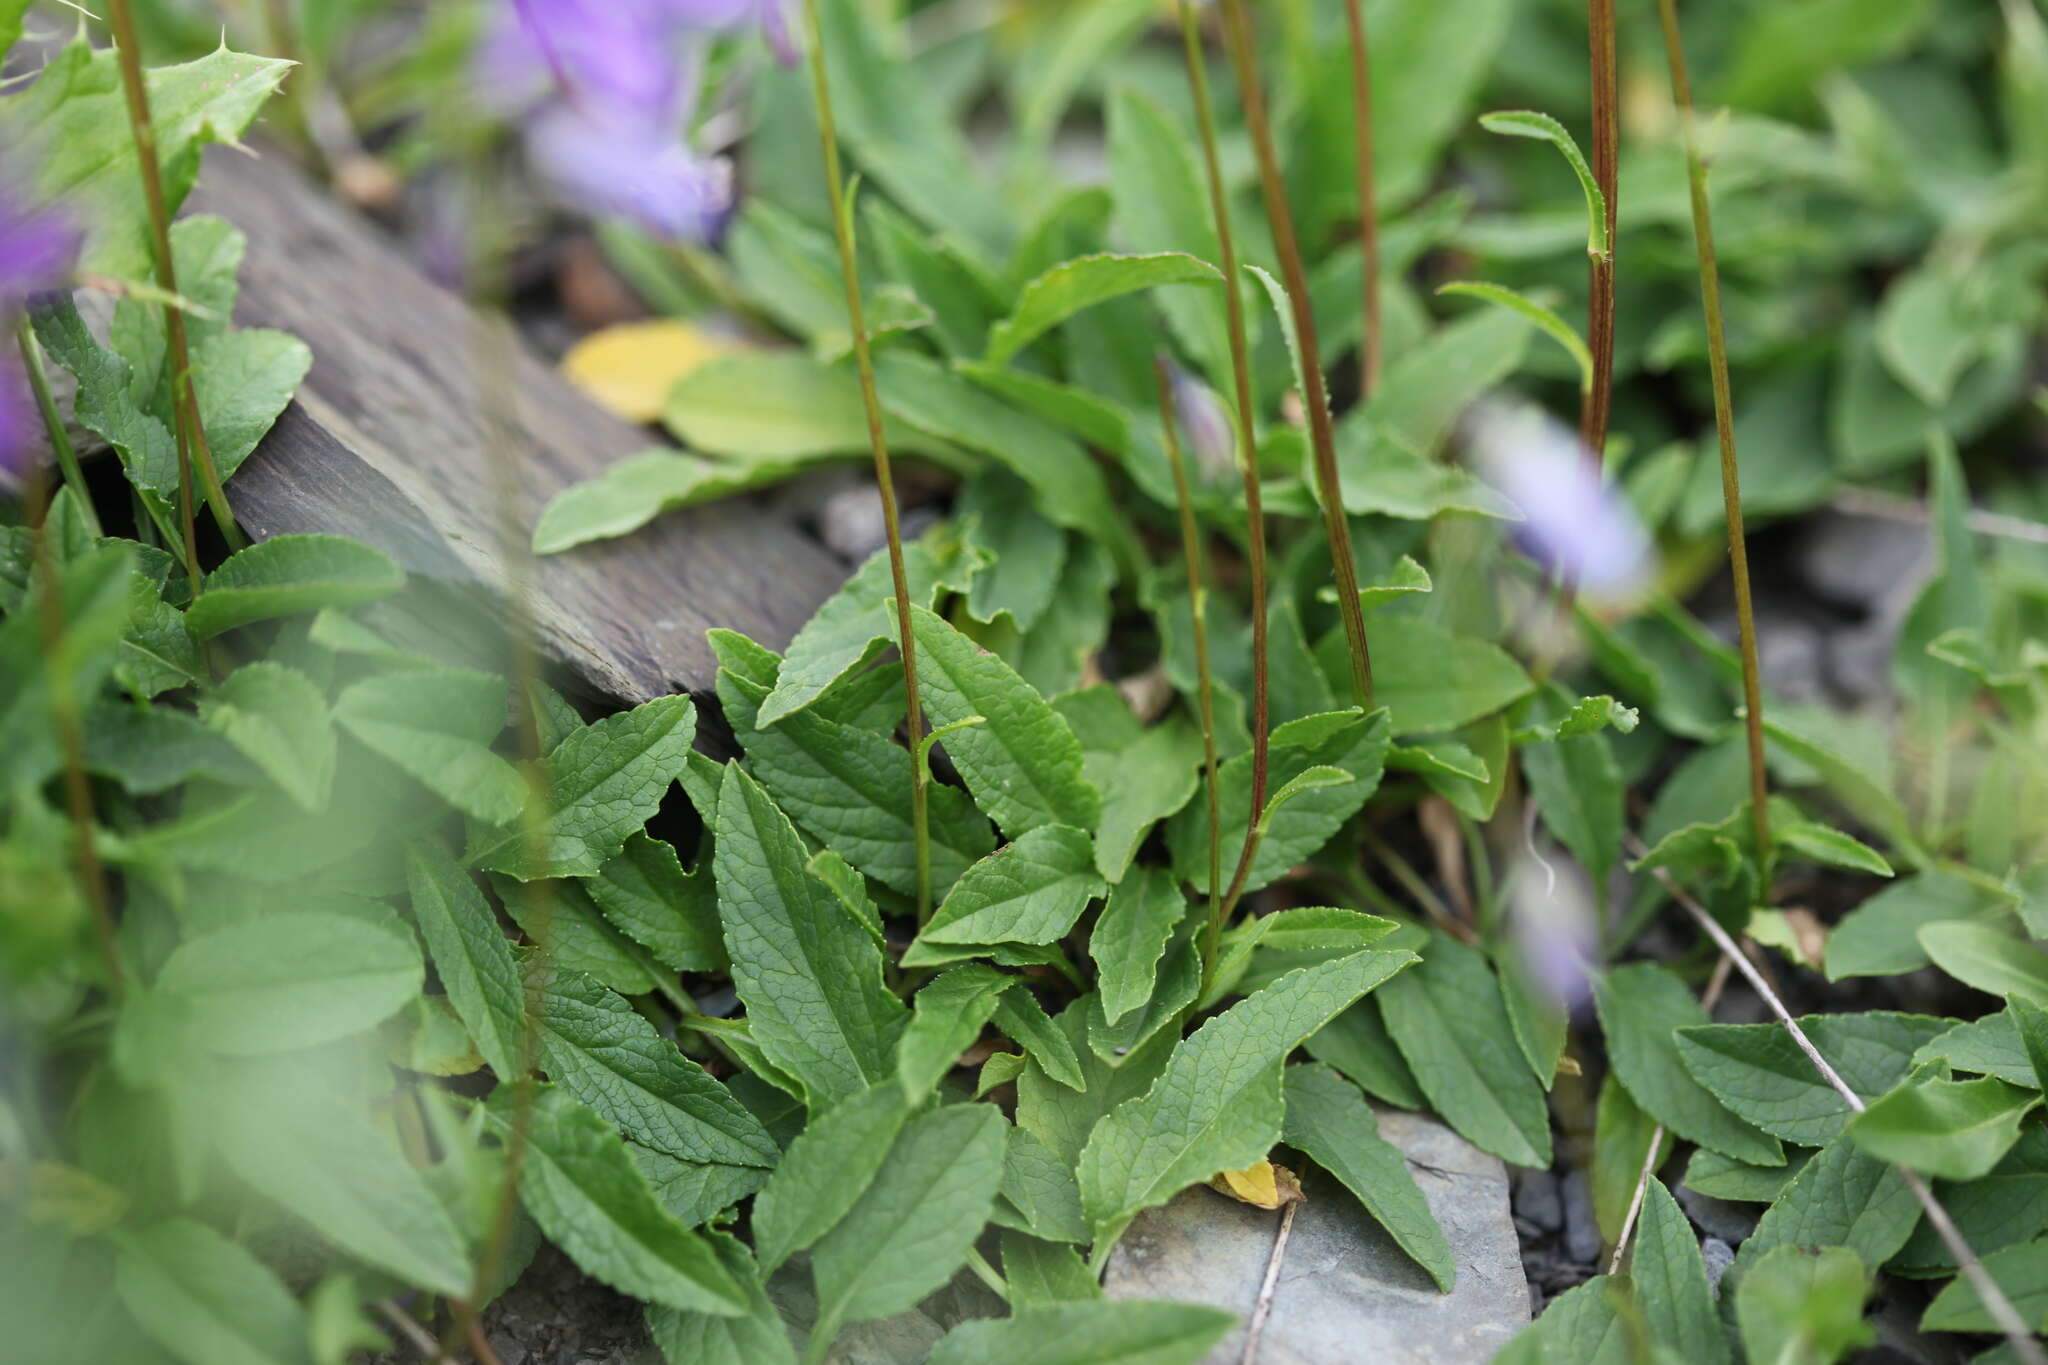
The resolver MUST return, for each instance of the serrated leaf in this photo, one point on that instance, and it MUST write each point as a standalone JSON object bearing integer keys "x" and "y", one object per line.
{"x": 673, "y": 914}
{"x": 1144, "y": 773}
{"x": 755, "y": 1337}
{"x": 601, "y": 1052}
{"x": 1217, "y": 1104}
{"x": 911, "y": 1229}
{"x": 947, "y": 1015}
{"x": 1024, "y": 552}
{"x": 2021, "y": 1271}
{"x": 603, "y": 781}
{"x": 207, "y": 1300}
{"x": 278, "y": 718}
{"x": 825, "y": 1170}
{"x": 1762, "y": 1076}
{"x": 1029, "y": 891}
{"x": 1528, "y": 123}
{"x": 1447, "y": 1017}
{"x": 1357, "y": 1044}
{"x": 811, "y": 978}
{"x": 1110, "y": 1332}
{"x": 1723, "y": 1177}
{"x": 1130, "y": 935}
{"x": 1843, "y": 1197}
{"x": 1880, "y": 936}
{"x": 694, "y": 1192}
{"x": 1641, "y": 1006}
{"x": 1063, "y": 1116}
{"x": 1180, "y": 981}
{"x": 850, "y": 787}
{"x": 289, "y": 576}
{"x": 2030, "y": 1021}
{"x": 1803, "y": 1305}
{"x": 437, "y": 726}
{"x": 1041, "y": 1273}
{"x": 561, "y": 916}
{"x": 1671, "y": 1282}
{"x": 291, "y": 979}
{"x": 1071, "y": 286}
{"x": 1039, "y": 1195}
{"x": 1023, "y": 764}
{"x": 1329, "y": 1119}
{"x": 150, "y": 749}
{"x": 1956, "y": 1130}
{"x": 1990, "y": 1046}
{"x": 1430, "y": 679}
{"x": 1988, "y": 958}
{"x": 583, "y": 1189}
{"x": 1024, "y": 1021}
{"x": 471, "y": 955}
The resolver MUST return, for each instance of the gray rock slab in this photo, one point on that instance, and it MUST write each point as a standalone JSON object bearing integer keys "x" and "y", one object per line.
{"x": 1346, "y": 1292}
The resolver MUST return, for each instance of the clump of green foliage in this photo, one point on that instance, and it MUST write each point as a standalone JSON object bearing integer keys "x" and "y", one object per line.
{"x": 361, "y": 972}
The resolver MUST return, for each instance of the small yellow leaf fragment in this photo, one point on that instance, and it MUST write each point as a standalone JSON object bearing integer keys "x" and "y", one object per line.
{"x": 1265, "y": 1185}
{"x": 629, "y": 369}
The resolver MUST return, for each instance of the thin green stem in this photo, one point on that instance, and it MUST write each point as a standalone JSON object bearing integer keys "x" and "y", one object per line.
{"x": 1412, "y": 882}
{"x": 1247, "y": 444}
{"x": 986, "y": 1273}
{"x": 53, "y": 420}
{"x": 825, "y": 1330}
{"x": 193, "y": 450}
{"x": 1237, "y": 30}
{"x": 1368, "y": 208}
{"x": 863, "y": 359}
{"x": 1724, "y": 427}
{"x": 1198, "y": 610}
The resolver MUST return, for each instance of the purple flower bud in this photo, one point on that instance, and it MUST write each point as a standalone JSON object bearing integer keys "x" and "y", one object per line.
{"x": 1555, "y": 928}
{"x": 619, "y": 166}
{"x": 1205, "y": 427}
{"x": 37, "y": 248}
{"x": 1576, "y": 524}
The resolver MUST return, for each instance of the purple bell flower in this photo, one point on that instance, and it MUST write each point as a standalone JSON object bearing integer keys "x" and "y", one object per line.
{"x": 589, "y": 52}
{"x": 1575, "y": 523}
{"x": 618, "y": 166}
{"x": 1206, "y": 430}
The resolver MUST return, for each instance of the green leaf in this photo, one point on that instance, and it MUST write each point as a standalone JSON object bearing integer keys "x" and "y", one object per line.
{"x": 1723, "y": 1177}
{"x": 1843, "y": 1197}
{"x": 947, "y": 1015}
{"x": 1357, "y": 1043}
{"x": 1578, "y": 790}
{"x": 2030, "y": 1021}
{"x": 583, "y": 1189}
{"x": 1828, "y": 847}
{"x": 1547, "y": 321}
{"x": 1062, "y": 1116}
{"x": 1130, "y": 935}
{"x": 1988, "y": 958}
{"x": 673, "y": 914}
{"x": 810, "y": 977}
{"x": 437, "y": 726}
{"x": 1803, "y": 1306}
{"x": 2021, "y": 1271}
{"x": 848, "y": 786}
{"x": 243, "y": 379}
{"x": 1024, "y": 552}
{"x": 766, "y": 412}
{"x": 1880, "y": 936}
{"x": 1956, "y": 1130}
{"x": 1328, "y": 1119}
{"x": 207, "y": 1300}
{"x": 1041, "y": 1273}
{"x": 1024, "y": 763}
{"x": 604, "y": 781}
{"x": 1404, "y": 579}
{"x": 1641, "y": 1006}
{"x": 639, "y": 488}
{"x": 1990, "y": 1046}
{"x": 913, "y": 1227}
{"x": 853, "y": 622}
{"x": 1760, "y": 1073}
{"x": 1431, "y": 679}
{"x": 1110, "y": 1332}
{"x": 471, "y": 955}
{"x": 151, "y": 749}
{"x": 1039, "y": 1195}
{"x": 1217, "y": 1106}
{"x": 291, "y": 979}
{"x": 1621, "y": 1144}
{"x": 1351, "y": 742}
{"x": 1544, "y": 128}
{"x": 1023, "y": 1019}
{"x": 1671, "y": 1282}
{"x": 755, "y": 1337}
{"x": 1073, "y": 285}
{"x": 1029, "y": 891}
{"x": 1180, "y": 981}
{"x": 1144, "y": 773}
{"x": 278, "y": 718}
{"x": 603, "y": 1053}
{"x": 561, "y": 915}
{"x": 1865, "y": 794}
{"x": 827, "y": 1167}
{"x": 1451, "y": 1025}
{"x": 289, "y": 576}
{"x": 74, "y": 115}
{"x": 1162, "y": 204}
{"x": 947, "y": 406}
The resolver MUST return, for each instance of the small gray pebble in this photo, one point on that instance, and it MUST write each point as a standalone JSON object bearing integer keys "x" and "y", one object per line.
{"x": 851, "y": 523}
{"x": 1730, "y": 1222}
{"x": 1582, "y": 1240}
{"x": 1536, "y": 1200}
{"x": 1719, "y": 1256}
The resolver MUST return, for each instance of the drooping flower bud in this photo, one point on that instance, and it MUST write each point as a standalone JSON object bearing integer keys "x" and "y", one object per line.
{"x": 1575, "y": 524}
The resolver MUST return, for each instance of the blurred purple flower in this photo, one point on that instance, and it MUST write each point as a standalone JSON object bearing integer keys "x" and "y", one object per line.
{"x": 617, "y": 166}
{"x": 1555, "y": 928}
{"x": 37, "y": 248}
{"x": 613, "y": 53}
{"x": 1576, "y": 524}
{"x": 1205, "y": 427}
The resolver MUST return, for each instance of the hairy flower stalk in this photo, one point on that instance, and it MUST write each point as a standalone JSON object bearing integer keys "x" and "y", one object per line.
{"x": 1247, "y": 446}
{"x": 1724, "y": 427}
{"x": 1198, "y": 611}
{"x": 1237, "y": 30}
{"x": 849, "y": 270}
{"x": 193, "y": 450}
{"x": 1368, "y": 208}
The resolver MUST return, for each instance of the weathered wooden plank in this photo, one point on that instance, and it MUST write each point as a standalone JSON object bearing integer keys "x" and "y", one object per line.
{"x": 387, "y": 442}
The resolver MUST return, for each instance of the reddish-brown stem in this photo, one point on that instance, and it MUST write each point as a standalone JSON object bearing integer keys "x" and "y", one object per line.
{"x": 1593, "y": 411}
{"x": 1322, "y": 438}
{"x": 1724, "y": 428}
{"x": 1368, "y": 208}
{"x": 1247, "y": 446}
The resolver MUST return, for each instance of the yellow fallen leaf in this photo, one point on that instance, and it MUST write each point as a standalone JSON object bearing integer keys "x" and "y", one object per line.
{"x": 1265, "y": 1185}
{"x": 629, "y": 369}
